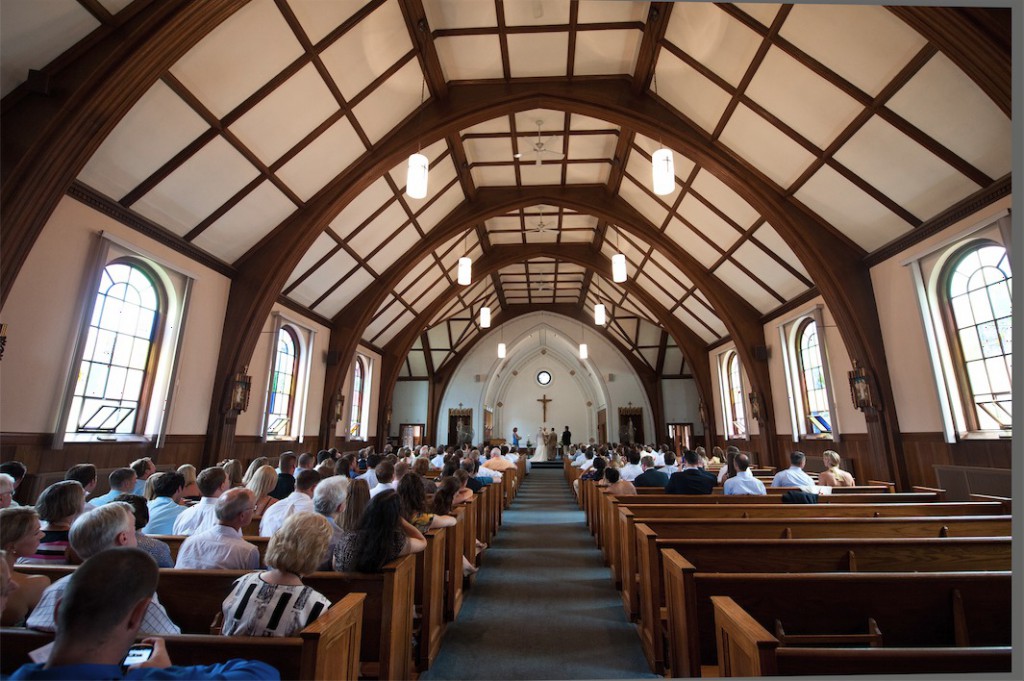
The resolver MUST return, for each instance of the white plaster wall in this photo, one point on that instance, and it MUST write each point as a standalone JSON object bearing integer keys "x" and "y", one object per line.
{"x": 250, "y": 422}
{"x": 525, "y": 335}
{"x": 847, "y": 419}
{"x": 913, "y": 383}
{"x": 409, "y": 404}
{"x": 568, "y": 405}
{"x": 42, "y": 310}
{"x": 682, "y": 403}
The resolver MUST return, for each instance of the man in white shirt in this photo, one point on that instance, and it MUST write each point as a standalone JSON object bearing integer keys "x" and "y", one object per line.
{"x": 212, "y": 482}
{"x": 385, "y": 478}
{"x": 438, "y": 460}
{"x": 298, "y": 501}
{"x": 108, "y": 527}
{"x": 373, "y": 460}
{"x": 744, "y": 481}
{"x": 221, "y": 547}
{"x": 793, "y": 476}
{"x": 670, "y": 463}
{"x": 633, "y": 469}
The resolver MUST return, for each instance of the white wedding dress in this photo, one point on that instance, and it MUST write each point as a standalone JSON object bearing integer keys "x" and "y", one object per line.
{"x": 541, "y": 453}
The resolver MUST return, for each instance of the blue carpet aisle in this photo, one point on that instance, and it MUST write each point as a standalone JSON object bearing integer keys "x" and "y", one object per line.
{"x": 543, "y": 606}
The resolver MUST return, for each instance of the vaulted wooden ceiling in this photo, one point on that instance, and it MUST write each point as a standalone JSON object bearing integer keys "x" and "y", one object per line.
{"x": 272, "y": 119}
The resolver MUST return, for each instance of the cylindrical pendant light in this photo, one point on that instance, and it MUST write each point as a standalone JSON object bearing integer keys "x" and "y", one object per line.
{"x": 583, "y": 351}
{"x": 618, "y": 268}
{"x": 599, "y": 314}
{"x": 416, "y": 176}
{"x": 663, "y": 171}
{"x": 485, "y": 317}
{"x": 465, "y": 275}
{"x": 501, "y": 351}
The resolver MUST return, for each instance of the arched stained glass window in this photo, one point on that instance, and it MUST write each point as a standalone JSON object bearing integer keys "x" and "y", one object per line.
{"x": 281, "y": 404}
{"x": 110, "y": 393}
{"x": 737, "y": 425}
{"x": 359, "y": 375}
{"x": 812, "y": 380}
{"x": 978, "y": 294}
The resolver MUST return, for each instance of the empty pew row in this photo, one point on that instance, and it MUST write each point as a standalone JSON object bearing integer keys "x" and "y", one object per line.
{"x": 801, "y": 556}
{"x": 909, "y": 609}
{"x": 193, "y": 598}
{"x": 745, "y": 649}
{"x": 326, "y": 649}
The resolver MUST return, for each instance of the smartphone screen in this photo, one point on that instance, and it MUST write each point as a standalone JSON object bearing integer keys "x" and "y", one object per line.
{"x": 140, "y": 652}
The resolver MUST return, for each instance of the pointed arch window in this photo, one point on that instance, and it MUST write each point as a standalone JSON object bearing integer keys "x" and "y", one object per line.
{"x": 976, "y": 290}
{"x": 283, "y": 383}
{"x": 120, "y": 354}
{"x": 736, "y": 418}
{"x": 813, "y": 386}
{"x": 358, "y": 378}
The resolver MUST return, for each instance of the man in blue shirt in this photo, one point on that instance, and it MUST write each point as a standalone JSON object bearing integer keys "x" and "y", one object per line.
{"x": 165, "y": 508}
{"x": 99, "y": 618}
{"x": 122, "y": 481}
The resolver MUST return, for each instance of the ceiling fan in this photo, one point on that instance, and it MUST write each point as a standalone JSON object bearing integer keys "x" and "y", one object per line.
{"x": 539, "y": 147}
{"x": 542, "y": 227}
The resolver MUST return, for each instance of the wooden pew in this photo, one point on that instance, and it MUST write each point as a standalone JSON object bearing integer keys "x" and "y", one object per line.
{"x": 326, "y": 649}
{"x": 454, "y": 548}
{"x": 193, "y": 598}
{"x": 745, "y": 648}
{"x": 910, "y": 609}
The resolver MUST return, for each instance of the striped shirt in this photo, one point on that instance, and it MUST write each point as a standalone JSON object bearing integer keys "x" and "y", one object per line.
{"x": 51, "y": 549}
{"x": 256, "y": 608}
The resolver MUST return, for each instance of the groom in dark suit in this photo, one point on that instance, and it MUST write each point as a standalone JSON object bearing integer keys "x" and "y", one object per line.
{"x": 692, "y": 479}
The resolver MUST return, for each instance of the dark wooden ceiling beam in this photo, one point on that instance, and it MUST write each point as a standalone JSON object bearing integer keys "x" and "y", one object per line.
{"x": 654, "y": 30}
{"x": 48, "y": 139}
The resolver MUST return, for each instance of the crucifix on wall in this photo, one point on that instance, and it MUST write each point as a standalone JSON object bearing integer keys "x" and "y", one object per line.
{"x": 544, "y": 404}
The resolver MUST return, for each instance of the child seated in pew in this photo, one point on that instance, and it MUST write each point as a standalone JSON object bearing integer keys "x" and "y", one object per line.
{"x": 414, "y": 509}
{"x": 276, "y": 602}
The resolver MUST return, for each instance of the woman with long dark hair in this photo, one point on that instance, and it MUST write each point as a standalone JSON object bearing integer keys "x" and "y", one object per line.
{"x": 383, "y": 535}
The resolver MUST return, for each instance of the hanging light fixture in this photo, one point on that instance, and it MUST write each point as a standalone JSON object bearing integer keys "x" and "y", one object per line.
{"x": 485, "y": 317}
{"x": 465, "y": 271}
{"x": 618, "y": 263}
{"x": 501, "y": 351}
{"x": 600, "y": 318}
{"x": 663, "y": 172}
{"x": 583, "y": 342}
{"x": 419, "y": 165}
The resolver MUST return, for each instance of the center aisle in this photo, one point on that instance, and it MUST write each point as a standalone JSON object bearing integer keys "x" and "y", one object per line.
{"x": 543, "y": 605}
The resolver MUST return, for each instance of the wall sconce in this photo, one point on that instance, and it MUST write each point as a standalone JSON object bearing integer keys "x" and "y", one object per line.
{"x": 240, "y": 392}
{"x": 3, "y": 339}
{"x": 339, "y": 406}
{"x": 860, "y": 388}
{"x": 755, "y": 406}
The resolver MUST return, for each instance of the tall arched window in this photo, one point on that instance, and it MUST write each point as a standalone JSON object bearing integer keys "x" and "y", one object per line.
{"x": 283, "y": 381}
{"x": 111, "y": 391}
{"x": 812, "y": 379}
{"x": 737, "y": 424}
{"x": 359, "y": 375}
{"x": 979, "y": 315}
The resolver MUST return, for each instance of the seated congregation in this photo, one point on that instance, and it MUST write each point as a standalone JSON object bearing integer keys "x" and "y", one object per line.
{"x": 351, "y": 563}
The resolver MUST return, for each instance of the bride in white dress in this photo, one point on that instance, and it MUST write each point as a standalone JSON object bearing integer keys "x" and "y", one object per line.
{"x": 541, "y": 453}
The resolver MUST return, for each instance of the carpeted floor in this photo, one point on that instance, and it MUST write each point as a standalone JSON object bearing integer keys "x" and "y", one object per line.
{"x": 543, "y": 606}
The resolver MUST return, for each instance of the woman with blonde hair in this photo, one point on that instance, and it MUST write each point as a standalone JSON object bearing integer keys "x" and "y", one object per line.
{"x": 254, "y": 466}
{"x": 191, "y": 489}
{"x": 149, "y": 491}
{"x": 262, "y": 483}
{"x": 20, "y": 534}
{"x": 57, "y": 506}
{"x": 276, "y": 602}
{"x": 833, "y": 475}
{"x": 233, "y": 467}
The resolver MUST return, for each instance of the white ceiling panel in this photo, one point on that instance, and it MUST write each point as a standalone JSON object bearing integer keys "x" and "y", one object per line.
{"x": 709, "y": 223}
{"x": 499, "y": 124}
{"x": 286, "y": 115}
{"x": 362, "y": 207}
{"x": 444, "y": 14}
{"x": 546, "y": 173}
{"x": 238, "y": 57}
{"x": 336, "y": 301}
{"x": 765, "y": 147}
{"x": 322, "y": 278}
{"x": 318, "y": 18}
{"x": 322, "y": 160}
{"x": 663, "y": 263}
{"x": 391, "y": 102}
{"x": 649, "y": 207}
{"x": 771, "y": 240}
{"x": 445, "y": 204}
{"x": 673, "y": 358}
{"x": 723, "y": 197}
{"x": 649, "y": 334}
{"x": 488, "y": 149}
{"x": 246, "y": 223}
{"x": 151, "y": 133}
{"x": 762, "y": 12}
{"x": 865, "y": 45}
{"x": 33, "y": 33}
{"x": 945, "y": 103}
{"x": 418, "y": 364}
{"x": 394, "y": 328}
{"x": 493, "y": 176}
{"x": 683, "y": 315}
{"x": 537, "y": 54}
{"x": 708, "y": 34}
{"x": 369, "y": 49}
{"x": 379, "y": 230}
{"x": 198, "y": 187}
{"x": 417, "y": 281}
{"x": 432, "y": 290}
{"x": 486, "y": 61}
{"x": 802, "y": 99}
{"x": 321, "y": 247}
{"x": 768, "y": 270}
{"x": 650, "y": 356}
{"x": 537, "y": 13}
{"x": 587, "y": 173}
{"x": 507, "y": 238}
{"x": 746, "y": 287}
{"x": 601, "y": 52}
{"x": 382, "y": 323}
{"x": 403, "y": 242}
{"x": 692, "y": 243}
{"x": 690, "y": 92}
{"x": 903, "y": 170}
{"x": 705, "y": 314}
{"x": 591, "y": 146}
{"x": 601, "y": 11}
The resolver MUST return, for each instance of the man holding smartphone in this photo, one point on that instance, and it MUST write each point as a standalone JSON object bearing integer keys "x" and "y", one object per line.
{"x": 98, "y": 620}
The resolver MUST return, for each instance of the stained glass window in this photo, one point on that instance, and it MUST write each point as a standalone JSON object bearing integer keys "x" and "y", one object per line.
{"x": 978, "y": 292}
{"x": 119, "y": 352}
{"x": 812, "y": 380}
{"x": 357, "y": 398}
{"x": 737, "y": 426}
{"x": 282, "y": 383}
